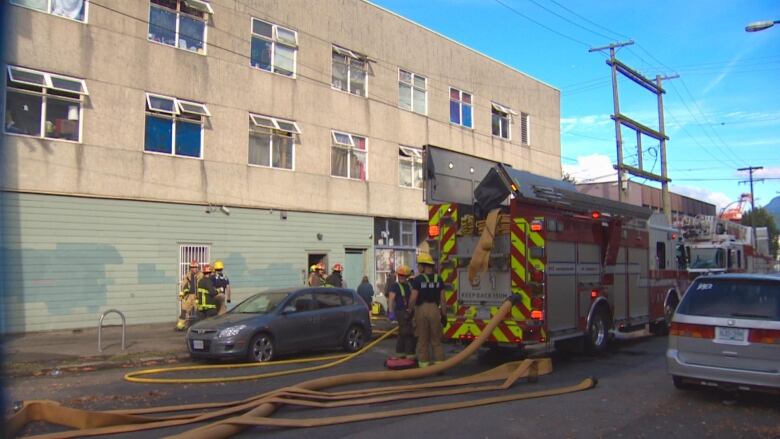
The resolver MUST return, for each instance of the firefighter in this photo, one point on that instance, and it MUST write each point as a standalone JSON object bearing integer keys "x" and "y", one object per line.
{"x": 315, "y": 276}
{"x": 187, "y": 298}
{"x": 335, "y": 278}
{"x": 222, "y": 285}
{"x": 429, "y": 311}
{"x": 207, "y": 303}
{"x": 397, "y": 305}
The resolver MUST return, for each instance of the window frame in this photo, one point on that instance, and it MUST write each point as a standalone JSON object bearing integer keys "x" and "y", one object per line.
{"x": 351, "y": 146}
{"x": 413, "y": 156}
{"x": 273, "y": 130}
{"x": 175, "y": 116}
{"x": 502, "y": 112}
{"x": 460, "y": 107}
{"x": 274, "y": 40}
{"x": 412, "y": 87}
{"x": 45, "y": 93}
{"x": 178, "y": 12}
{"x": 49, "y": 12}
{"x": 349, "y": 55}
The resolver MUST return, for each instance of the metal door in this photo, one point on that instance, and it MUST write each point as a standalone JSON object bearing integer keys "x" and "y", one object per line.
{"x": 561, "y": 285}
{"x": 354, "y": 266}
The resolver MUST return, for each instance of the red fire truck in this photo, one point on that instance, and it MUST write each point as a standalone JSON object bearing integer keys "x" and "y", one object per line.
{"x": 583, "y": 266}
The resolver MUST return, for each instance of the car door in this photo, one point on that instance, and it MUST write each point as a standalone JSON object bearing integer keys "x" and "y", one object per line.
{"x": 333, "y": 316}
{"x": 298, "y": 325}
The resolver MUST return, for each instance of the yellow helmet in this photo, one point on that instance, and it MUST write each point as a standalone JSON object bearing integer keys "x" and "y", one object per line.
{"x": 425, "y": 258}
{"x": 218, "y": 265}
{"x": 404, "y": 270}
{"x": 313, "y": 268}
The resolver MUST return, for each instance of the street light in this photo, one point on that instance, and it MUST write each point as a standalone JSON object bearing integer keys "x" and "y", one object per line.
{"x": 760, "y": 25}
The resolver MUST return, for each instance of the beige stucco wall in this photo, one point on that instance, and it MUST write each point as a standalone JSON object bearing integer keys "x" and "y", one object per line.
{"x": 112, "y": 53}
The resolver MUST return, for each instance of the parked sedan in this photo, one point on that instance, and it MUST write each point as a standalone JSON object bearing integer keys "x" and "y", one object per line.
{"x": 283, "y": 321}
{"x": 726, "y": 333}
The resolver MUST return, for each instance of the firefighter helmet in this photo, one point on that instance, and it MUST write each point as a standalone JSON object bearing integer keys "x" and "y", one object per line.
{"x": 194, "y": 264}
{"x": 338, "y": 267}
{"x": 425, "y": 258}
{"x": 313, "y": 268}
{"x": 207, "y": 268}
{"x": 218, "y": 265}
{"x": 320, "y": 267}
{"x": 404, "y": 270}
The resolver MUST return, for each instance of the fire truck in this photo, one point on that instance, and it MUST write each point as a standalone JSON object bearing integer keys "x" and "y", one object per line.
{"x": 583, "y": 266}
{"x": 715, "y": 245}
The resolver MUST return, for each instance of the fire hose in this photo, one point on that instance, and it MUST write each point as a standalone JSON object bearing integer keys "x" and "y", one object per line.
{"x": 233, "y": 417}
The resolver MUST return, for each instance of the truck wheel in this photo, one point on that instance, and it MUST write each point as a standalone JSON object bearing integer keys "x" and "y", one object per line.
{"x": 597, "y": 336}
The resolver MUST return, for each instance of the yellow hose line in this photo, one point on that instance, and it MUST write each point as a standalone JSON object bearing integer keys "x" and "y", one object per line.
{"x": 134, "y": 377}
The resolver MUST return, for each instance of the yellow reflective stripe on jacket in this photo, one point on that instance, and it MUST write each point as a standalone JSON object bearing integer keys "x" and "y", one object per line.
{"x": 203, "y": 293}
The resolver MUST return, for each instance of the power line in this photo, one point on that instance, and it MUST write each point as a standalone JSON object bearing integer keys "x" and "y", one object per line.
{"x": 569, "y": 21}
{"x": 542, "y": 25}
{"x": 621, "y": 36}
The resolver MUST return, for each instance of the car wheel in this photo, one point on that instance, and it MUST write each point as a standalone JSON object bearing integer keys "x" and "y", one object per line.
{"x": 597, "y": 337}
{"x": 354, "y": 339}
{"x": 680, "y": 384}
{"x": 261, "y": 348}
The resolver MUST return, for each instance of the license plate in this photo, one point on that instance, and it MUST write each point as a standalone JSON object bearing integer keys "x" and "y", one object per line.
{"x": 731, "y": 335}
{"x": 197, "y": 344}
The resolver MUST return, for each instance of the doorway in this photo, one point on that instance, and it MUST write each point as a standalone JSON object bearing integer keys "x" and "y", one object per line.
{"x": 355, "y": 266}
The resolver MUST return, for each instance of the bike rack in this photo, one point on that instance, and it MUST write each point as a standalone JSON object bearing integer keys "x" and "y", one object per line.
{"x": 100, "y": 328}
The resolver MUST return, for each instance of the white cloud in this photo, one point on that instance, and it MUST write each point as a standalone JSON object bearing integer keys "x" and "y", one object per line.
{"x": 592, "y": 168}
{"x": 719, "y": 199}
{"x": 768, "y": 172}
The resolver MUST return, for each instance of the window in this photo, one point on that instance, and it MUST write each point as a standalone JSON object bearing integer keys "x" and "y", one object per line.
{"x": 272, "y": 142}
{"x": 460, "y": 108}
{"x": 328, "y": 299}
{"x": 524, "y": 128}
{"x": 179, "y": 23}
{"x": 660, "y": 255}
{"x": 349, "y": 156}
{"x": 43, "y": 104}
{"x": 502, "y": 116}
{"x": 410, "y": 167}
{"x": 73, "y": 9}
{"x": 274, "y": 48}
{"x": 349, "y": 71}
{"x": 174, "y": 126}
{"x": 412, "y": 94}
{"x": 189, "y": 252}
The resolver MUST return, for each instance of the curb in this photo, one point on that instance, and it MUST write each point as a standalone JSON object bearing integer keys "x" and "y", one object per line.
{"x": 89, "y": 365}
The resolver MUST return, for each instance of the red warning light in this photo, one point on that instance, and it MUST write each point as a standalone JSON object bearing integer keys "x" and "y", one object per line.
{"x": 595, "y": 214}
{"x": 536, "y": 226}
{"x": 594, "y": 294}
{"x": 433, "y": 231}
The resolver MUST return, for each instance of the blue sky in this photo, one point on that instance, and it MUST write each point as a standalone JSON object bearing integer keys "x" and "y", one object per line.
{"x": 723, "y": 113}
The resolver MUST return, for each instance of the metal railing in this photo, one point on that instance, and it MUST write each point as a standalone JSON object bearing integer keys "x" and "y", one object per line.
{"x": 100, "y": 328}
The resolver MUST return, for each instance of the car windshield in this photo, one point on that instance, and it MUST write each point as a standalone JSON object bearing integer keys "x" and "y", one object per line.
{"x": 734, "y": 298}
{"x": 262, "y": 303}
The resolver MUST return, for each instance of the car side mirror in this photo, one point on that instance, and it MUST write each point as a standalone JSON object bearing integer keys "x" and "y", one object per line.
{"x": 288, "y": 309}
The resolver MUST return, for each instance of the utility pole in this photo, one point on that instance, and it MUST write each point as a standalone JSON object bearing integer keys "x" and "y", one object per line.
{"x": 621, "y": 120}
{"x": 750, "y": 169}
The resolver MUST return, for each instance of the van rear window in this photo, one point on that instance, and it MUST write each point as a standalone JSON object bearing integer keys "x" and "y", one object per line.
{"x": 735, "y": 298}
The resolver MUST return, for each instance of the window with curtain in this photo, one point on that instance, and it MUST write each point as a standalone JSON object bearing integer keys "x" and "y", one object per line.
{"x": 349, "y": 156}
{"x": 179, "y": 23}
{"x": 274, "y": 48}
{"x": 174, "y": 126}
{"x": 43, "y": 104}
{"x": 73, "y": 9}
{"x": 272, "y": 142}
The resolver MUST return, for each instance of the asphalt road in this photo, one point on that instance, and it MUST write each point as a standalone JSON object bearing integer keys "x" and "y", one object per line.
{"x": 634, "y": 398}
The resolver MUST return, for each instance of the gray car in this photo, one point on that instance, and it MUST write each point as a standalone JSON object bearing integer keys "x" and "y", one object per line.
{"x": 283, "y": 321}
{"x": 726, "y": 333}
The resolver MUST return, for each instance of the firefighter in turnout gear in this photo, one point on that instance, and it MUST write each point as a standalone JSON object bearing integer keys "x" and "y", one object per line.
{"x": 187, "y": 299}
{"x": 222, "y": 285}
{"x": 316, "y": 279}
{"x": 207, "y": 295}
{"x": 429, "y": 311}
{"x": 397, "y": 304}
{"x": 335, "y": 279}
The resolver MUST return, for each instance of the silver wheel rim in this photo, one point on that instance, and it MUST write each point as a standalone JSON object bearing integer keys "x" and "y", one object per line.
{"x": 598, "y": 332}
{"x": 262, "y": 350}
{"x": 355, "y": 338}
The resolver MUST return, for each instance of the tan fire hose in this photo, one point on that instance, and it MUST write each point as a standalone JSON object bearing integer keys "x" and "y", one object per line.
{"x": 255, "y": 410}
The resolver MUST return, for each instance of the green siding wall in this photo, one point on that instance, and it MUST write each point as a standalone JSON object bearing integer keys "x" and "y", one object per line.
{"x": 68, "y": 258}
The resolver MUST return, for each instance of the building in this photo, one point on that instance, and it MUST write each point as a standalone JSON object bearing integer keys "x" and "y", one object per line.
{"x": 650, "y": 197}
{"x": 271, "y": 135}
